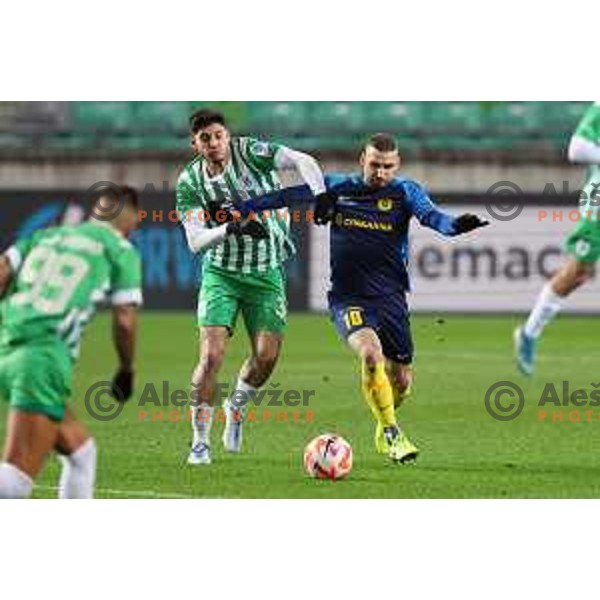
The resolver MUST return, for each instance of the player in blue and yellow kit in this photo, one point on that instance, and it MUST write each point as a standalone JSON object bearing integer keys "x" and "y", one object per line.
{"x": 370, "y": 215}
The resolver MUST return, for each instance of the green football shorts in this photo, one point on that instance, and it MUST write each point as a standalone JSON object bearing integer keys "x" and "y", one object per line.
{"x": 583, "y": 243}
{"x": 260, "y": 297}
{"x": 36, "y": 377}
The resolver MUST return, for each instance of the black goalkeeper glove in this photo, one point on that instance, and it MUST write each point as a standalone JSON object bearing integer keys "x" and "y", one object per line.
{"x": 250, "y": 227}
{"x": 325, "y": 208}
{"x": 468, "y": 222}
{"x": 122, "y": 385}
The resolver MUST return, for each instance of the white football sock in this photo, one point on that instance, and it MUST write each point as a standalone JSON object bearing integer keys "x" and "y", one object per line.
{"x": 14, "y": 484}
{"x": 243, "y": 395}
{"x": 78, "y": 476}
{"x": 546, "y": 308}
{"x": 202, "y": 417}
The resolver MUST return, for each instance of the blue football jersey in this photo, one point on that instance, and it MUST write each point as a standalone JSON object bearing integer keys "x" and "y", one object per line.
{"x": 369, "y": 234}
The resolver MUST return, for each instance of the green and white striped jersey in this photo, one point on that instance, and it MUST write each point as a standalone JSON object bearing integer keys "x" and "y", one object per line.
{"x": 61, "y": 273}
{"x": 250, "y": 173}
{"x": 589, "y": 129}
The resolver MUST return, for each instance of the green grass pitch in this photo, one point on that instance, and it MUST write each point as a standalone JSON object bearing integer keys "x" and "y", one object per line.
{"x": 465, "y": 453}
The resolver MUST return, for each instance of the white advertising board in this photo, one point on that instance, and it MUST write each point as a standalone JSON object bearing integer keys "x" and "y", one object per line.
{"x": 500, "y": 268}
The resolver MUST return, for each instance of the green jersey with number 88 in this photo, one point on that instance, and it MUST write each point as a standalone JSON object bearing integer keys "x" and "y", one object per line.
{"x": 61, "y": 274}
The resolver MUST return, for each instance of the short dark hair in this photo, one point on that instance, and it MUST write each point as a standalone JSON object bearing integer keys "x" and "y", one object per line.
{"x": 130, "y": 196}
{"x": 204, "y": 117}
{"x": 383, "y": 142}
{"x": 117, "y": 193}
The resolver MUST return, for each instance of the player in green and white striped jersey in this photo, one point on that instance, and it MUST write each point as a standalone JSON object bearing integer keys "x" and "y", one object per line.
{"x": 242, "y": 262}
{"x": 50, "y": 284}
{"x": 582, "y": 245}
{"x": 251, "y": 173}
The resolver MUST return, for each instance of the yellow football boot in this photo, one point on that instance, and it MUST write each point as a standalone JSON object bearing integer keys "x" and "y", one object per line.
{"x": 402, "y": 450}
{"x": 381, "y": 444}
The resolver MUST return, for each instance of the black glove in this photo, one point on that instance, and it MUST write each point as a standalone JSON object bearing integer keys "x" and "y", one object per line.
{"x": 224, "y": 210}
{"x": 325, "y": 208}
{"x": 468, "y": 222}
{"x": 250, "y": 227}
{"x": 122, "y": 385}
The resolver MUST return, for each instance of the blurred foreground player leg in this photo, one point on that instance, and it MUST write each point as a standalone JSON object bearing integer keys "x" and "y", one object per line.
{"x": 582, "y": 245}
{"x": 51, "y": 283}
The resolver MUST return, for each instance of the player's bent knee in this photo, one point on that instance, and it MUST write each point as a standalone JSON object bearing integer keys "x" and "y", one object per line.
{"x": 403, "y": 380}
{"x": 72, "y": 434}
{"x": 14, "y": 484}
{"x": 211, "y": 360}
{"x": 263, "y": 370}
{"x": 371, "y": 355}
{"x": 266, "y": 360}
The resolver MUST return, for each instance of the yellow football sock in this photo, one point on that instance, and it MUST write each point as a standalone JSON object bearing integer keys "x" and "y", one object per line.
{"x": 378, "y": 393}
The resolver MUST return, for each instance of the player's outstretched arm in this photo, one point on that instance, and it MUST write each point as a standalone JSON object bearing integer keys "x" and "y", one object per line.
{"x": 429, "y": 215}
{"x": 124, "y": 339}
{"x": 451, "y": 226}
{"x": 468, "y": 222}
{"x": 308, "y": 168}
{"x": 289, "y": 196}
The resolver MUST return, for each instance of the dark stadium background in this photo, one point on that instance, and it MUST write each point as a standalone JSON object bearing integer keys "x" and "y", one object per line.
{"x": 52, "y": 152}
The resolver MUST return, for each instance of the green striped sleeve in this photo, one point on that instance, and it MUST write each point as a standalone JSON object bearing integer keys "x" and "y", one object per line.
{"x": 186, "y": 194}
{"x": 259, "y": 154}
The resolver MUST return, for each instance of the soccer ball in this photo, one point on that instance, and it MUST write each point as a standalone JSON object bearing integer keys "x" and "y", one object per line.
{"x": 328, "y": 456}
